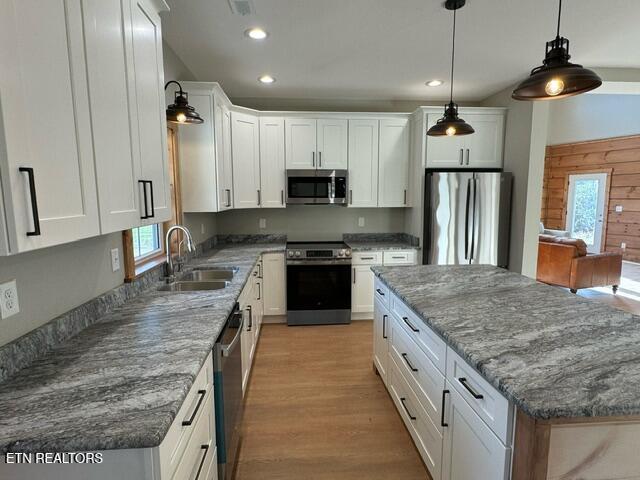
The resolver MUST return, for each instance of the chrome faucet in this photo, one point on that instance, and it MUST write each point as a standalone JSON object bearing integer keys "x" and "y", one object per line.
{"x": 190, "y": 247}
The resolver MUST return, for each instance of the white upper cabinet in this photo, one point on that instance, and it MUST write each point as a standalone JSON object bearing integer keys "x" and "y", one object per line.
{"x": 107, "y": 27}
{"x": 46, "y": 137}
{"x": 331, "y": 143}
{"x": 363, "y": 163}
{"x": 482, "y": 149}
{"x": 393, "y": 190}
{"x": 300, "y": 143}
{"x": 150, "y": 110}
{"x": 272, "y": 170}
{"x": 225, "y": 161}
{"x": 246, "y": 160}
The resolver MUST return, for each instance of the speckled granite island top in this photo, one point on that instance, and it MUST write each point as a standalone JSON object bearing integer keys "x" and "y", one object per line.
{"x": 552, "y": 353}
{"x": 120, "y": 382}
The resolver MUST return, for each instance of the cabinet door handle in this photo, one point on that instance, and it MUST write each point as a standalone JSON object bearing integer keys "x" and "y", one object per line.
{"x": 406, "y": 320}
{"x": 380, "y": 292}
{"x": 189, "y": 421}
{"x": 313, "y": 159}
{"x": 259, "y": 198}
{"x": 405, "y": 197}
{"x": 396, "y": 257}
{"x": 34, "y": 201}
{"x": 351, "y": 197}
{"x": 366, "y": 258}
{"x": 444, "y": 399}
{"x": 153, "y": 206}
{"x": 461, "y": 156}
{"x": 205, "y": 450}
{"x": 354, "y": 276}
{"x": 320, "y": 159}
{"x": 282, "y": 197}
{"x": 259, "y": 292}
{"x": 228, "y": 196}
{"x": 463, "y": 381}
{"x": 384, "y": 326}
{"x": 406, "y": 360}
{"x": 250, "y": 325}
{"x": 144, "y": 196}
{"x": 402, "y": 400}
{"x": 468, "y": 155}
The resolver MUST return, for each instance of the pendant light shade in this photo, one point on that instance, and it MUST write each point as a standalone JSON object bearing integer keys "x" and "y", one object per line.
{"x": 450, "y": 124}
{"x": 180, "y": 111}
{"x": 557, "y": 77}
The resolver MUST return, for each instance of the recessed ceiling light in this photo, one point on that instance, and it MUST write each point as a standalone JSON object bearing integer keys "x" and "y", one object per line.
{"x": 434, "y": 83}
{"x": 266, "y": 79}
{"x": 256, "y": 33}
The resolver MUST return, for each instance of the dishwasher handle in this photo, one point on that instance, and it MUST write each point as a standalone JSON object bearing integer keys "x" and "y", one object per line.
{"x": 227, "y": 349}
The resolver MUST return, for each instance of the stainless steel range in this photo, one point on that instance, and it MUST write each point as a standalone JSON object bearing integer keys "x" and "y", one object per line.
{"x": 318, "y": 283}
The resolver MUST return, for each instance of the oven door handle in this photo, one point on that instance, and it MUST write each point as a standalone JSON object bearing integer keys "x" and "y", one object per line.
{"x": 227, "y": 349}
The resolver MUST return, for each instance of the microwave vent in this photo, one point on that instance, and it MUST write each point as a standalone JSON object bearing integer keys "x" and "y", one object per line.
{"x": 242, "y": 7}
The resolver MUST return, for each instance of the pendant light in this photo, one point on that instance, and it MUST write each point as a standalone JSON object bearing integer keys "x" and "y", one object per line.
{"x": 180, "y": 111}
{"x": 450, "y": 124}
{"x": 557, "y": 77}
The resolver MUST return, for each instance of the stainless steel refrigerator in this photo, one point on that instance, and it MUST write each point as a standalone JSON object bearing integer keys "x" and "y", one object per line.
{"x": 467, "y": 216}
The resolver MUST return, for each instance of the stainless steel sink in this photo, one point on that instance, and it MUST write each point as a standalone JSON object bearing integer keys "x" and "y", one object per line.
{"x": 206, "y": 275}
{"x": 188, "y": 286}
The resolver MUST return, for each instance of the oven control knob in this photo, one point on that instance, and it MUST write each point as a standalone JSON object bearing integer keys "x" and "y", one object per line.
{"x": 347, "y": 253}
{"x": 298, "y": 253}
{"x": 290, "y": 253}
{"x": 342, "y": 253}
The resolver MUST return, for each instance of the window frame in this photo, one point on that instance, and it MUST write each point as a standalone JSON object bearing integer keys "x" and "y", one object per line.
{"x": 154, "y": 253}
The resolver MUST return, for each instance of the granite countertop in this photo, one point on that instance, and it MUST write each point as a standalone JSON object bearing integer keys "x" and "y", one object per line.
{"x": 120, "y": 382}
{"x": 552, "y": 353}
{"x": 360, "y": 246}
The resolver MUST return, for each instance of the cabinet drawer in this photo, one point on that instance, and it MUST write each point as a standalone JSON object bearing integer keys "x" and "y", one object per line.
{"x": 366, "y": 258}
{"x": 424, "y": 378}
{"x": 196, "y": 405}
{"x": 425, "y": 435}
{"x": 397, "y": 257}
{"x": 427, "y": 340}
{"x": 481, "y": 396}
{"x": 381, "y": 292}
{"x": 201, "y": 448}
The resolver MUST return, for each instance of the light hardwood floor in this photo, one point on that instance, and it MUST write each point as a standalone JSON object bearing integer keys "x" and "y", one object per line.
{"x": 316, "y": 410}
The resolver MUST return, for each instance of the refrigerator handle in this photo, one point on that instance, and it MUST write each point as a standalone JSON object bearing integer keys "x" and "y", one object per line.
{"x": 474, "y": 223}
{"x": 466, "y": 221}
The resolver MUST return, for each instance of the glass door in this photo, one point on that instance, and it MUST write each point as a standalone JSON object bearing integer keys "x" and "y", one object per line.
{"x": 585, "y": 208}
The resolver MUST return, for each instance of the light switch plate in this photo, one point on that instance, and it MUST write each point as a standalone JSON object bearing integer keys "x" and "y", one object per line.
{"x": 623, "y": 245}
{"x": 618, "y": 208}
{"x": 263, "y": 223}
{"x": 9, "y": 304}
{"x": 202, "y": 228}
{"x": 115, "y": 259}
{"x": 361, "y": 221}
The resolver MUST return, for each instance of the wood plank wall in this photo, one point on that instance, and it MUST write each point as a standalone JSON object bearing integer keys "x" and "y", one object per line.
{"x": 621, "y": 157}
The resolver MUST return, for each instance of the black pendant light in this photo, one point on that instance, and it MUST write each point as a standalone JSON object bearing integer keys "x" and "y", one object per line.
{"x": 451, "y": 124}
{"x": 557, "y": 77}
{"x": 180, "y": 111}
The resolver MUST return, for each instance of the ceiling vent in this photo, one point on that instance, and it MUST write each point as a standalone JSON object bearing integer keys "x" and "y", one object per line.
{"x": 242, "y": 7}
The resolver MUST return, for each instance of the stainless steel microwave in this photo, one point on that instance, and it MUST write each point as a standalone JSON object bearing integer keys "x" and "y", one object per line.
{"x": 317, "y": 187}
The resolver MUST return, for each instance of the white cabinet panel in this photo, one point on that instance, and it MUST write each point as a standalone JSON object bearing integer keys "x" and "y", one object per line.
{"x": 362, "y": 289}
{"x": 226, "y": 186}
{"x": 274, "y": 275}
{"x": 381, "y": 331}
{"x": 443, "y": 151}
{"x": 393, "y": 184}
{"x": 149, "y": 92}
{"x": 363, "y": 163}
{"x": 198, "y": 156}
{"x": 471, "y": 450}
{"x": 400, "y": 257}
{"x": 332, "y": 144}
{"x": 272, "y": 170}
{"x": 109, "y": 60}
{"x": 300, "y": 142}
{"x": 45, "y": 117}
{"x": 246, "y": 160}
{"x": 483, "y": 149}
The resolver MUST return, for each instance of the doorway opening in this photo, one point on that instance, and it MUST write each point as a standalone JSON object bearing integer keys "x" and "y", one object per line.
{"x": 586, "y": 201}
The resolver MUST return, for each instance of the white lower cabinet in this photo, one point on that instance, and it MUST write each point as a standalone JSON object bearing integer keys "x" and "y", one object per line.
{"x": 471, "y": 449}
{"x": 252, "y": 307}
{"x": 461, "y": 425}
{"x": 274, "y": 284}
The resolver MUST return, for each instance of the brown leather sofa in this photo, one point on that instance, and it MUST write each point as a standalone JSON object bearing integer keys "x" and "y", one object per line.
{"x": 565, "y": 262}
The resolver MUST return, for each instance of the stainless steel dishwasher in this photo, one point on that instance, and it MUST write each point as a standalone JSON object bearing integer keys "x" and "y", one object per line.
{"x": 227, "y": 364}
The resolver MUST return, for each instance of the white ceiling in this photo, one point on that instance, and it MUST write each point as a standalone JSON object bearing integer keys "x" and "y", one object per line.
{"x": 387, "y": 49}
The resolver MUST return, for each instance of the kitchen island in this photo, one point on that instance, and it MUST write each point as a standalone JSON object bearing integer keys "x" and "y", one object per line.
{"x": 553, "y": 378}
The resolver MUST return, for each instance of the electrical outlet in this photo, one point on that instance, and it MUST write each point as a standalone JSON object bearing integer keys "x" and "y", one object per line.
{"x": 618, "y": 208}
{"x": 623, "y": 245}
{"x": 115, "y": 259}
{"x": 263, "y": 223}
{"x": 361, "y": 221}
{"x": 202, "y": 228}
{"x": 9, "y": 304}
